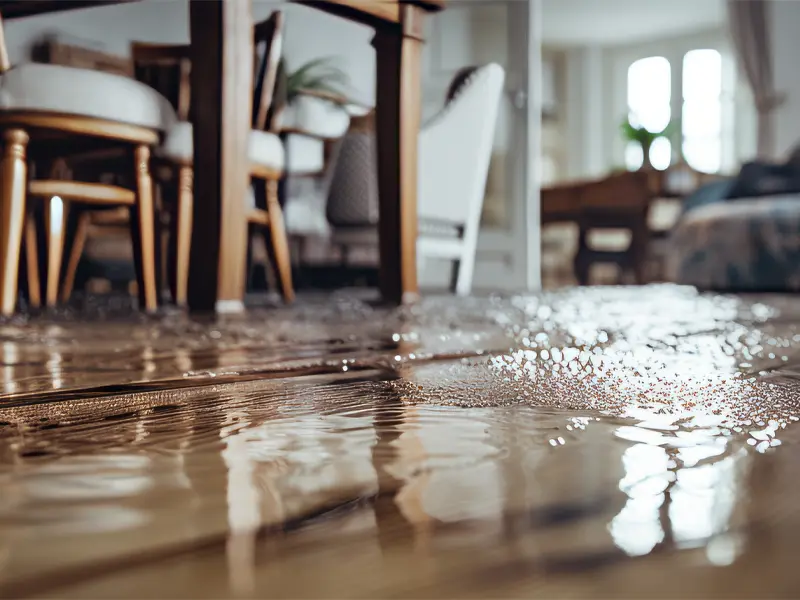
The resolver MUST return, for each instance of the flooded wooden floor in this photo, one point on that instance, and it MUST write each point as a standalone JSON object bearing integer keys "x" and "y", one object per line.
{"x": 614, "y": 442}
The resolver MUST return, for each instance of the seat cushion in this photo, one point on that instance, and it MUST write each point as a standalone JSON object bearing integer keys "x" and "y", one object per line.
{"x": 264, "y": 149}
{"x": 85, "y": 93}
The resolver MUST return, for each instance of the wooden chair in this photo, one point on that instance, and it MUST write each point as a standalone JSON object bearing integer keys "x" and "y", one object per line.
{"x": 166, "y": 69}
{"x": 153, "y": 65}
{"x": 50, "y": 111}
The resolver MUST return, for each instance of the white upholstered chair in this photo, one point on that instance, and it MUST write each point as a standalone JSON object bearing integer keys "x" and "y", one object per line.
{"x": 455, "y": 148}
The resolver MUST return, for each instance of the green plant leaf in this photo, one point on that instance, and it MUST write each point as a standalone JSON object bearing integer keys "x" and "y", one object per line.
{"x": 645, "y": 137}
{"x": 320, "y": 74}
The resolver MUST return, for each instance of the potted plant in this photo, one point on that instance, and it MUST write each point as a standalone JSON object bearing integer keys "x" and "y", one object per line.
{"x": 314, "y": 97}
{"x": 645, "y": 138}
{"x": 319, "y": 76}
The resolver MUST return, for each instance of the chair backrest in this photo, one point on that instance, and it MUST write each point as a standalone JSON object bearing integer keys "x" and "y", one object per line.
{"x": 268, "y": 41}
{"x": 455, "y": 148}
{"x": 167, "y": 68}
{"x": 353, "y": 191}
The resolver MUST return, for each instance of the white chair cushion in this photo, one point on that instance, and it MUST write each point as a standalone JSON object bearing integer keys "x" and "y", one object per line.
{"x": 85, "y": 93}
{"x": 264, "y": 149}
{"x": 316, "y": 116}
{"x": 304, "y": 154}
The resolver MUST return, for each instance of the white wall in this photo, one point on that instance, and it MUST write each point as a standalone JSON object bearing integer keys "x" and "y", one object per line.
{"x": 310, "y": 34}
{"x": 785, "y": 24}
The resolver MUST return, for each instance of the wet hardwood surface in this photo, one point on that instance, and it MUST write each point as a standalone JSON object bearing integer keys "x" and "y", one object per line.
{"x": 588, "y": 443}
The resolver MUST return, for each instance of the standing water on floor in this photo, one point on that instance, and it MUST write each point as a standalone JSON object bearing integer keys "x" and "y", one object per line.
{"x": 625, "y": 441}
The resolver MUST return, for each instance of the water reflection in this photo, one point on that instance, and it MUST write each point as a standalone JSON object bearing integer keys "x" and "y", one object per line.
{"x": 566, "y": 454}
{"x": 437, "y": 480}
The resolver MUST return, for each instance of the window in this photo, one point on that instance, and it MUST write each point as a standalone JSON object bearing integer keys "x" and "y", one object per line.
{"x": 649, "y": 97}
{"x": 701, "y": 123}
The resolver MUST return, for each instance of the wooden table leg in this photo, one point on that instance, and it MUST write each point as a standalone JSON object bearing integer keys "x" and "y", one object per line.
{"x": 222, "y": 96}
{"x": 398, "y": 115}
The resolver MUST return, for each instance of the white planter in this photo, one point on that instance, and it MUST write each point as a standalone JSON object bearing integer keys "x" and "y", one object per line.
{"x": 317, "y": 117}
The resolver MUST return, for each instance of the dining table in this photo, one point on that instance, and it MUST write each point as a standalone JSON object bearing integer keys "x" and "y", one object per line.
{"x": 222, "y": 44}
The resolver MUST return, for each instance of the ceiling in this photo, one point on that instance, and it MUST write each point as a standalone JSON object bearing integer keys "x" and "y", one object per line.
{"x": 578, "y": 22}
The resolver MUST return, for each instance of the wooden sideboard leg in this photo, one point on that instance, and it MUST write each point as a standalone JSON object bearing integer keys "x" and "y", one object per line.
{"x": 640, "y": 238}
{"x": 582, "y": 262}
{"x": 222, "y": 96}
{"x": 398, "y": 116}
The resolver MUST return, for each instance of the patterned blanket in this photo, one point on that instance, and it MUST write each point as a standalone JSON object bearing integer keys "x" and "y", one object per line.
{"x": 743, "y": 245}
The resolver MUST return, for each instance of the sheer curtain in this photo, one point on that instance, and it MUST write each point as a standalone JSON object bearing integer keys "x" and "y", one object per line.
{"x": 750, "y": 31}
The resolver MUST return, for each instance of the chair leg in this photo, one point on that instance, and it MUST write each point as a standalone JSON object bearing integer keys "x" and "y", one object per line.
{"x": 183, "y": 234}
{"x": 277, "y": 243}
{"x": 462, "y": 271}
{"x": 55, "y": 226}
{"x": 78, "y": 242}
{"x": 32, "y": 262}
{"x": 13, "y": 181}
{"x": 455, "y": 271}
{"x": 145, "y": 222}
